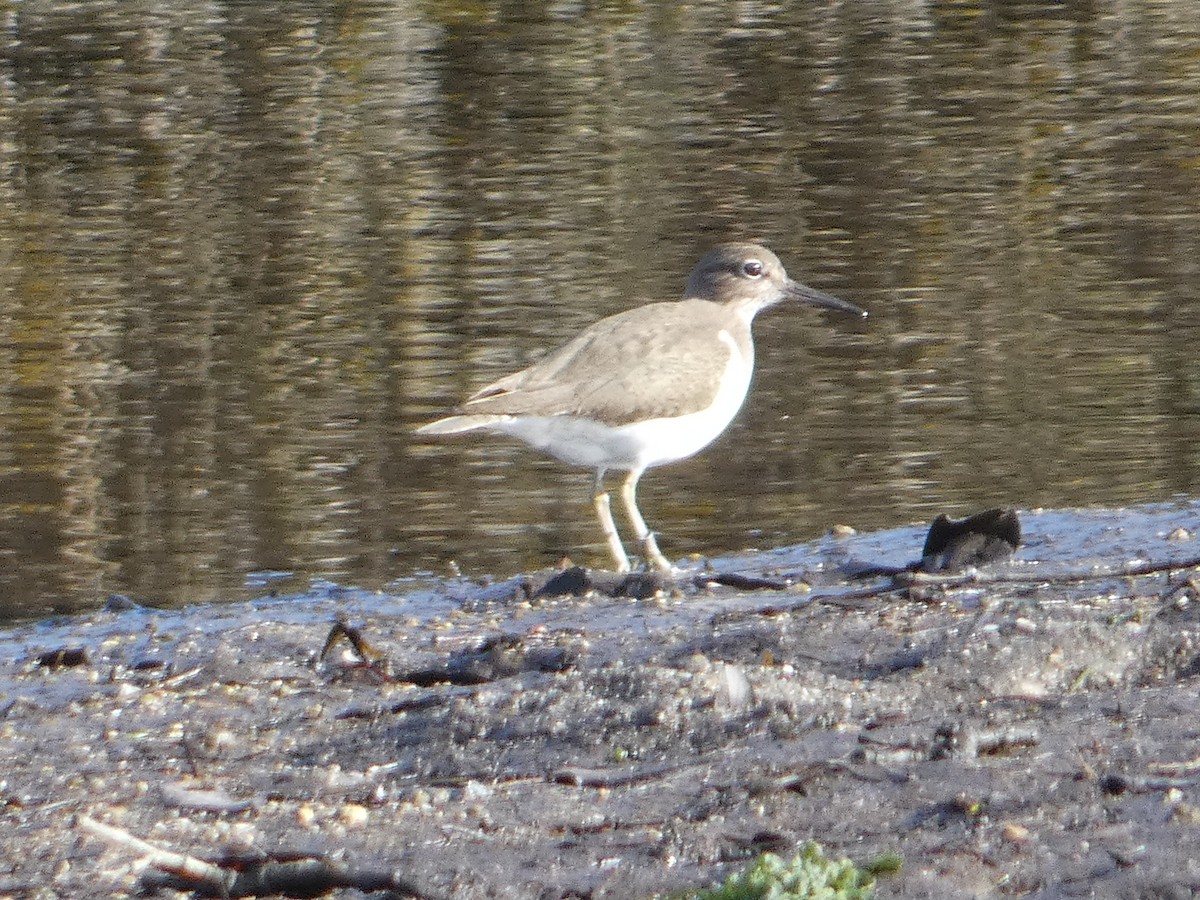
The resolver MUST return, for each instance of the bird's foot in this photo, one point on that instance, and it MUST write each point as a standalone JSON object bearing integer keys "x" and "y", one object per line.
{"x": 653, "y": 556}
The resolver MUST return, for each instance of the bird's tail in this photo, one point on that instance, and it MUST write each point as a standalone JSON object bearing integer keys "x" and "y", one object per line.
{"x": 460, "y": 424}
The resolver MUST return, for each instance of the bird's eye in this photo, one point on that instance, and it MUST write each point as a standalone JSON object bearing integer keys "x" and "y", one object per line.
{"x": 752, "y": 268}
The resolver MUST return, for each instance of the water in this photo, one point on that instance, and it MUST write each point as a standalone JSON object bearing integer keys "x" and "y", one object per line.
{"x": 247, "y": 248}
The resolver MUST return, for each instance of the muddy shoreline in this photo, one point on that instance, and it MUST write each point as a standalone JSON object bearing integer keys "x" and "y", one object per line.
{"x": 1030, "y": 731}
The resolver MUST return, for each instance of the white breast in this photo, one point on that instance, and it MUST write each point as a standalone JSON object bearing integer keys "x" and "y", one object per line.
{"x": 668, "y": 439}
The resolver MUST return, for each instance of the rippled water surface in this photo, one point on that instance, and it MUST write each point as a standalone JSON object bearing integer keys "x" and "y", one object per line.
{"x": 247, "y": 248}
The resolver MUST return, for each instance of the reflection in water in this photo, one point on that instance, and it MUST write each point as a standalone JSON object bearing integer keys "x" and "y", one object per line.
{"x": 246, "y": 251}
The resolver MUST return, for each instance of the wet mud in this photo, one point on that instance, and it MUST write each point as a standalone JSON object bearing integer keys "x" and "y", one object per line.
{"x": 1028, "y": 728}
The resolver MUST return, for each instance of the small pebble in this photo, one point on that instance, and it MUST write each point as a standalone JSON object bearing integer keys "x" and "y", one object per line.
{"x": 353, "y": 815}
{"x": 475, "y": 790}
{"x": 127, "y": 691}
{"x": 1014, "y": 833}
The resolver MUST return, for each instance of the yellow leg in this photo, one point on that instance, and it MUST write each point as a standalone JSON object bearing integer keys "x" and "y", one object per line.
{"x": 645, "y": 536}
{"x": 604, "y": 514}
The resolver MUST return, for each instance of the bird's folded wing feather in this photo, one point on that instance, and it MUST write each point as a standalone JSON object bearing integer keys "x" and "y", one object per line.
{"x": 603, "y": 373}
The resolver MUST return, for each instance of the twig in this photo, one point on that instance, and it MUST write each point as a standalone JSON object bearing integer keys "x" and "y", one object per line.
{"x": 187, "y": 867}
{"x": 292, "y": 876}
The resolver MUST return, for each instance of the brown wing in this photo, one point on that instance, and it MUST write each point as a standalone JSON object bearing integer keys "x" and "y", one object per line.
{"x": 645, "y": 363}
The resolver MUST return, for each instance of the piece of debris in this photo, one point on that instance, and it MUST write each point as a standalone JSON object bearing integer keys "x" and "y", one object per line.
{"x": 579, "y": 581}
{"x": 956, "y": 544}
{"x": 62, "y": 658}
{"x": 251, "y": 875}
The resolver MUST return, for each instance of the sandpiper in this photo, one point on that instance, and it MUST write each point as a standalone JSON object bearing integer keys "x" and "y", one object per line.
{"x": 645, "y": 387}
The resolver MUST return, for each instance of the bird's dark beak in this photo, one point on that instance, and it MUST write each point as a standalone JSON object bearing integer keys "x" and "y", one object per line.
{"x": 802, "y": 292}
